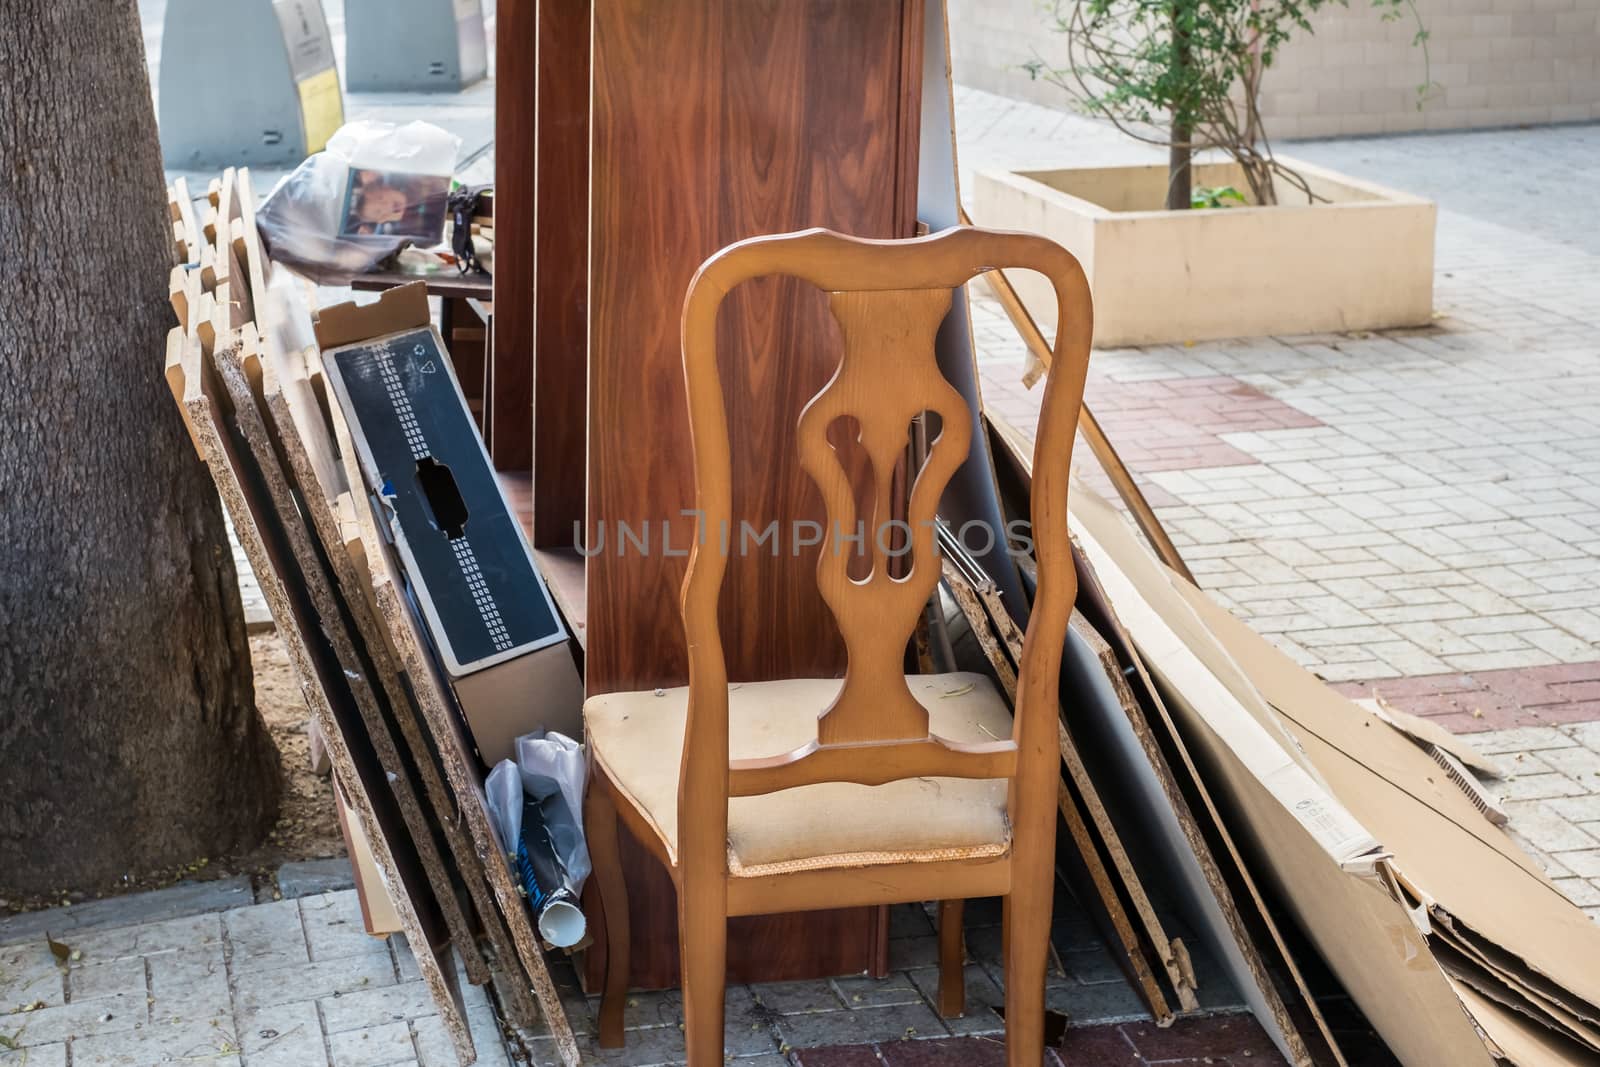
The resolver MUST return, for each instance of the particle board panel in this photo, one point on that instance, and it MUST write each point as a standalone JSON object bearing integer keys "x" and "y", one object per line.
{"x": 1100, "y": 886}
{"x": 1245, "y": 936}
{"x": 769, "y": 117}
{"x": 186, "y": 232}
{"x": 304, "y": 442}
{"x": 285, "y": 400}
{"x": 455, "y": 748}
{"x": 232, "y": 364}
{"x": 1158, "y": 778}
{"x": 1168, "y": 951}
{"x": 231, "y": 285}
{"x": 247, "y": 250}
{"x": 325, "y": 688}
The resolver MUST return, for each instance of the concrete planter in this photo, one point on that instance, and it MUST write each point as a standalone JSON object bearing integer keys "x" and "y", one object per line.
{"x": 1363, "y": 260}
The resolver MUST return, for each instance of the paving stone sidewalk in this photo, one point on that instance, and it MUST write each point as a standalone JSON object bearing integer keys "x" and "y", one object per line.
{"x": 298, "y": 983}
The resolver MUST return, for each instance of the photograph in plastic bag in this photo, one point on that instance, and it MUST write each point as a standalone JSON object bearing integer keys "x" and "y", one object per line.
{"x": 394, "y": 204}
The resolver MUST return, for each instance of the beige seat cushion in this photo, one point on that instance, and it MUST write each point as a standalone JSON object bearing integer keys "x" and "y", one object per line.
{"x": 638, "y": 739}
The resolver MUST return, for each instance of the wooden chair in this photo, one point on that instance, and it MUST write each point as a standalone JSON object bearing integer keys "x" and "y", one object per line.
{"x": 883, "y": 788}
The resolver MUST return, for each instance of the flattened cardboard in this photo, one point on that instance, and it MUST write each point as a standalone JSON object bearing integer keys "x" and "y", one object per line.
{"x": 1426, "y": 733}
{"x": 1238, "y": 717}
{"x": 1324, "y": 863}
{"x": 1521, "y": 1040}
{"x": 541, "y": 689}
{"x": 404, "y": 307}
{"x": 1441, "y": 844}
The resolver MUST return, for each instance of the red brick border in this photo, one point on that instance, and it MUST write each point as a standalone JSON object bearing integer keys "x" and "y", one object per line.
{"x": 1494, "y": 700}
{"x": 1217, "y": 1040}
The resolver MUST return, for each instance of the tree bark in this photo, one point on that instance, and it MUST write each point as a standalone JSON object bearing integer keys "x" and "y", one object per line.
{"x": 1180, "y": 156}
{"x": 1180, "y": 176}
{"x": 129, "y": 737}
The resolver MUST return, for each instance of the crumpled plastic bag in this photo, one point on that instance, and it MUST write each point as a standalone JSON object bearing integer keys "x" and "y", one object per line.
{"x": 545, "y": 782}
{"x": 376, "y": 188}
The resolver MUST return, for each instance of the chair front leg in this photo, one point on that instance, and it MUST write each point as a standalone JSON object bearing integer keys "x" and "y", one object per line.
{"x": 600, "y": 827}
{"x": 703, "y": 948}
{"x": 1027, "y": 940}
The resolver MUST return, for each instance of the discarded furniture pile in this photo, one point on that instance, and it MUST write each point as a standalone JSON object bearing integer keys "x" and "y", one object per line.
{"x": 1338, "y": 863}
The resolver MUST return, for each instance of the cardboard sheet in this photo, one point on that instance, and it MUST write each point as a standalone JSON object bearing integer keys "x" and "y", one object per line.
{"x": 1441, "y": 843}
{"x": 1519, "y": 1039}
{"x": 1324, "y": 863}
{"x": 1184, "y": 861}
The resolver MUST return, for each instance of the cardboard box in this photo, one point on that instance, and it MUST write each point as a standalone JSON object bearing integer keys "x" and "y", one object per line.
{"x": 468, "y": 567}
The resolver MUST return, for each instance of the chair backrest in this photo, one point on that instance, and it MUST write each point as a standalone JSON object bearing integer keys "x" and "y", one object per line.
{"x": 889, "y": 298}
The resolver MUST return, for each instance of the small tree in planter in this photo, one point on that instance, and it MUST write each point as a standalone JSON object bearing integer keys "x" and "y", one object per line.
{"x": 1194, "y": 67}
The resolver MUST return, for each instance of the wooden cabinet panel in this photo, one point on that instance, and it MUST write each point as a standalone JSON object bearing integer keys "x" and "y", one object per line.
{"x": 561, "y": 236}
{"x": 716, "y": 120}
{"x": 509, "y": 400}
{"x": 713, "y": 121}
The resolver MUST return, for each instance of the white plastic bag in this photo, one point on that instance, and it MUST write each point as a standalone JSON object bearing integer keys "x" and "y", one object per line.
{"x": 375, "y": 189}
{"x": 552, "y": 861}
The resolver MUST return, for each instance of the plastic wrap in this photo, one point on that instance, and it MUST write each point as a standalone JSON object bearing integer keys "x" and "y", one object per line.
{"x": 536, "y": 805}
{"x": 375, "y": 189}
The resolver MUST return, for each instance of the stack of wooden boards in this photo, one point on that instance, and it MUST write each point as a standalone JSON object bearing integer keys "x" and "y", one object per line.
{"x": 1314, "y": 844}
{"x": 245, "y": 371}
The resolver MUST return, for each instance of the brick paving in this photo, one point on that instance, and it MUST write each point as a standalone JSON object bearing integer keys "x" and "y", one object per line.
{"x": 294, "y": 983}
{"x": 1437, "y": 511}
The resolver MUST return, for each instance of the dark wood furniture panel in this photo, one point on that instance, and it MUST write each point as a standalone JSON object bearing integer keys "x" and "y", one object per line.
{"x": 510, "y": 399}
{"x": 713, "y": 121}
{"x": 717, "y": 120}
{"x": 561, "y": 237}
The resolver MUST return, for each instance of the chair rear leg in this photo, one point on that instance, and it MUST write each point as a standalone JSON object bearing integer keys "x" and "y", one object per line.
{"x": 952, "y": 960}
{"x": 703, "y": 948}
{"x": 1027, "y": 946}
{"x": 600, "y": 827}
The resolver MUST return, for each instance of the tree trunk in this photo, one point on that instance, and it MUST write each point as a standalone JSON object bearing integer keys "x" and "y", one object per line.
{"x": 1180, "y": 157}
{"x": 129, "y": 738}
{"x": 1180, "y": 179}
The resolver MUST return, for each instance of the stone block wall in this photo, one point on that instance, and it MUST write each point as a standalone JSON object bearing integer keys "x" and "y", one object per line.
{"x": 1493, "y": 63}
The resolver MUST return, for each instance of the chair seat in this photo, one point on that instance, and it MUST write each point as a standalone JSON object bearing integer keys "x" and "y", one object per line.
{"x": 637, "y": 738}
